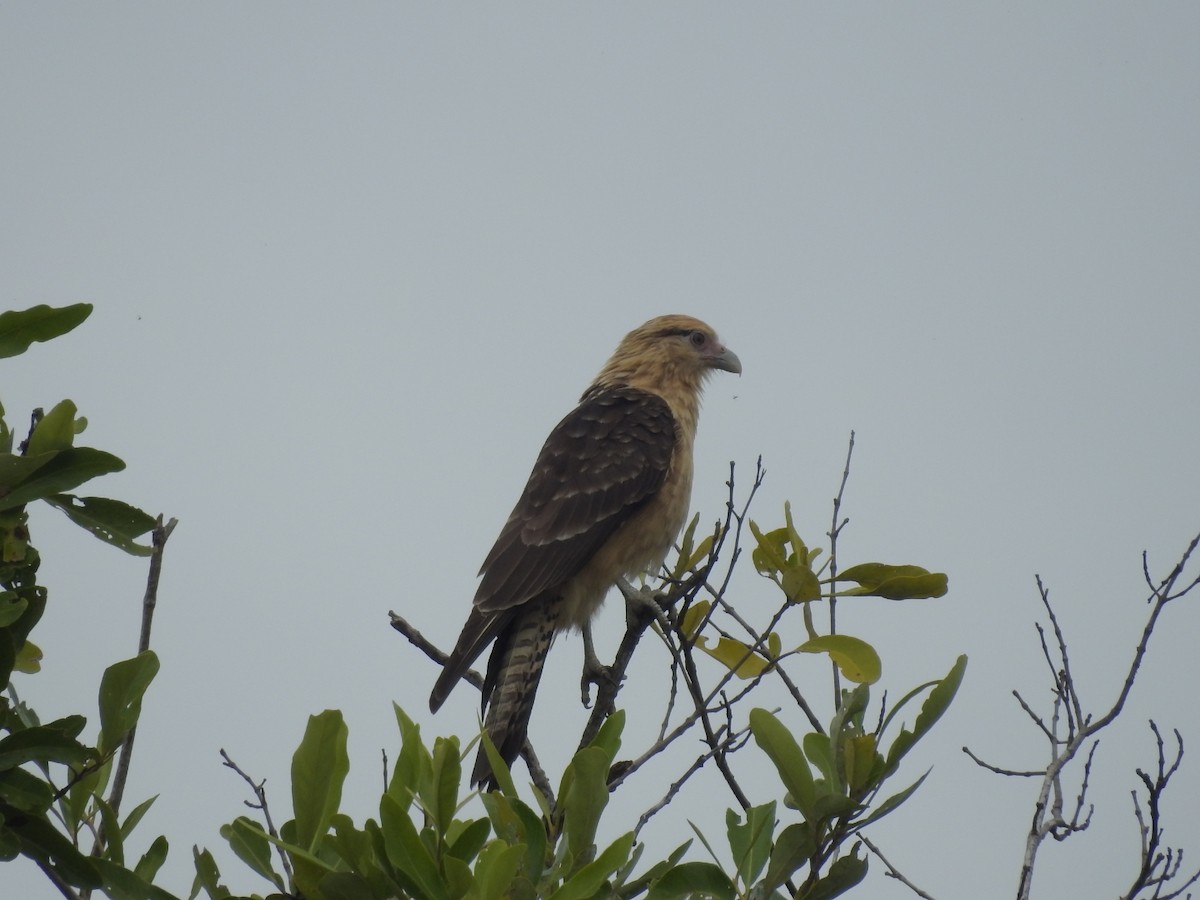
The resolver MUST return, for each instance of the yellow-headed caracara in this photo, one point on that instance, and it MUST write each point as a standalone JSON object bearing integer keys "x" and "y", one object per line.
{"x": 605, "y": 500}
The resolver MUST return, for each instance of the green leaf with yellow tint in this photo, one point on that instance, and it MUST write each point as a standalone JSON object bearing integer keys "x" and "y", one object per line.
{"x": 894, "y": 582}
{"x": 26, "y": 478}
{"x": 856, "y": 659}
{"x": 113, "y": 521}
{"x": 777, "y": 742}
{"x": 55, "y": 430}
{"x": 20, "y": 328}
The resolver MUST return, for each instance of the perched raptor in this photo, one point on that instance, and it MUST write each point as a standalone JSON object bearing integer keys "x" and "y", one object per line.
{"x": 605, "y": 500}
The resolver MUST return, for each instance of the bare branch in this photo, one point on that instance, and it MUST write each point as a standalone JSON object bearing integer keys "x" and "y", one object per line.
{"x": 159, "y": 536}
{"x": 430, "y": 649}
{"x": 1159, "y": 864}
{"x": 892, "y": 871}
{"x": 1015, "y": 773}
{"x": 835, "y": 529}
{"x": 1080, "y": 727}
{"x": 259, "y": 789}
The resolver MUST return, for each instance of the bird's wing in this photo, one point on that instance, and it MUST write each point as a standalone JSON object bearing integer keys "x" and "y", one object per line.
{"x": 599, "y": 466}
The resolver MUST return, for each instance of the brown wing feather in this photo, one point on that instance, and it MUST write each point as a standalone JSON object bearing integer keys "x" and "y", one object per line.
{"x": 600, "y": 465}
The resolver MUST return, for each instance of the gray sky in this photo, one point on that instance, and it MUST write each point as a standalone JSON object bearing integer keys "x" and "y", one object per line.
{"x": 350, "y": 264}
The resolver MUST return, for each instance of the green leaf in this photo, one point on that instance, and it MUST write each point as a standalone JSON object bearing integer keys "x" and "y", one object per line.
{"x": 309, "y": 868}
{"x": 249, "y": 841}
{"x": 29, "y": 659}
{"x": 12, "y": 607}
{"x": 414, "y": 765}
{"x": 690, "y": 553}
{"x": 121, "y": 690}
{"x": 208, "y": 876}
{"x": 692, "y": 879}
{"x": 856, "y": 659}
{"x": 858, "y": 758}
{"x": 608, "y": 738}
{"x": 470, "y": 840}
{"x": 346, "y": 886}
{"x": 795, "y": 846}
{"x": 845, "y": 873}
{"x": 750, "y": 841}
{"x": 931, "y": 710}
{"x": 355, "y": 848}
{"x": 693, "y": 617}
{"x": 113, "y": 521}
{"x": 131, "y": 820}
{"x": 893, "y": 801}
{"x": 110, "y": 825}
{"x": 800, "y": 583}
{"x": 497, "y": 867}
{"x": 583, "y": 799}
{"x": 655, "y": 872}
{"x": 500, "y": 770}
{"x": 19, "y": 329}
{"x": 737, "y": 656}
{"x": 779, "y": 745}
{"x": 457, "y": 877}
{"x": 894, "y": 582}
{"x": 22, "y": 790}
{"x": 27, "y": 478}
{"x": 589, "y": 879}
{"x": 52, "y": 743}
{"x": 685, "y": 547}
{"x": 820, "y": 754}
{"x": 406, "y": 851}
{"x": 151, "y": 861}
{"x": 515, "y": 823}
{"x": 319, "y": 768}
{"x": 41, "y": 841}
{"x": 440, "y": 793}
{"x": 122, "y": 884}
{"x": 55, "y": 430}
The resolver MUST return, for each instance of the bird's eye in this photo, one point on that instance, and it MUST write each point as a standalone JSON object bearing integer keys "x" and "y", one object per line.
{"x": 698, "y": 338}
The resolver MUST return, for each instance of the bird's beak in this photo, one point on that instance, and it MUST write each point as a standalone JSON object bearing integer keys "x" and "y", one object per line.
{"x": 726, "y": 361}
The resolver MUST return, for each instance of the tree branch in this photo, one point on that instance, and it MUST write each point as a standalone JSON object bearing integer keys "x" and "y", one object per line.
{"x": 159, "y": 537}
{"x": 1066, "y": 739}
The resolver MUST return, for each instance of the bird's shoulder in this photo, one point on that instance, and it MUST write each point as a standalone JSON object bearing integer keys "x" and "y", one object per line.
{"x": 614, "y": 433}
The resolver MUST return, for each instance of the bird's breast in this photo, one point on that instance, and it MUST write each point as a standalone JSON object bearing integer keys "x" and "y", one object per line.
{"x": 640, "y": 545}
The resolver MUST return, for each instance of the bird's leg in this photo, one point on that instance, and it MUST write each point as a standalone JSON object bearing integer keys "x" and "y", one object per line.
{"x": 642, "y": 604}
{"x": 594, "y": 671}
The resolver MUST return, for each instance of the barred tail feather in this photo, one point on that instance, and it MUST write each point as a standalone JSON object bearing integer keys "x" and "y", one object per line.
{"x": 514, "y": 672}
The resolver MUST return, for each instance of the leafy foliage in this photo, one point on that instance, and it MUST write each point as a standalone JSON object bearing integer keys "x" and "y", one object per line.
{"x": 421, "y": 845}
{"x": 52, "y": 783}
{"x": 431, "y": 837}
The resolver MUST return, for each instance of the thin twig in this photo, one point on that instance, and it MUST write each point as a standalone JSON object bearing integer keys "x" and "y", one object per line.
{"x": 57, "y": 880}
{"x": 892, "y": 871}
{"x": 835, "y": 529}
{"x": 259, "y": 789}
{"x": 1080, "y": 728}
{"x": 159, "y": 537}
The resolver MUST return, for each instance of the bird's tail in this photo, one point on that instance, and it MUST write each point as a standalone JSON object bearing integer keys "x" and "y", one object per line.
{"x": 514, "y": 671}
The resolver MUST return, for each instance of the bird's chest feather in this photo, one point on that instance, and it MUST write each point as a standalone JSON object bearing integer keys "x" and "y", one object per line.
{"x": 639, "y": 546}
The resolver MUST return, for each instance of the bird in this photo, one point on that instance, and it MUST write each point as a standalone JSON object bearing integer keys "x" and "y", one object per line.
{"x": 607, "y": 496}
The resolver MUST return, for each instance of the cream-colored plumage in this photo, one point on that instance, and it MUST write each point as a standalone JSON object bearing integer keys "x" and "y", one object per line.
{"x": 605, "y": 500}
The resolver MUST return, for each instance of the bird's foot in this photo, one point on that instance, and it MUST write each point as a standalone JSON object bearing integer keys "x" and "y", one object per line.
{"x": 594, "y": 671}
{"x": 641, "y": 605}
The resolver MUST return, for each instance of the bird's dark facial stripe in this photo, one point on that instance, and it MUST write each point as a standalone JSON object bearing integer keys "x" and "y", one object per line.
{"x": 678, "y": 332}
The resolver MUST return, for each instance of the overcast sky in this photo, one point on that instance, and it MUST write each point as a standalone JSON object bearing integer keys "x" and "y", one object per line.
{"x": 350, "y": 263}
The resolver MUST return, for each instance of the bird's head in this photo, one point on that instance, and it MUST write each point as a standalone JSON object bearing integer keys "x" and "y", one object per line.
{"x": 669, "y": 352}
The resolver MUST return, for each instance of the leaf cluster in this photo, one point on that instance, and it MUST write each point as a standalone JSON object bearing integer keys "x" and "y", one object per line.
{"x": 423, "y": 844}
{"x": 53, "y": 784}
